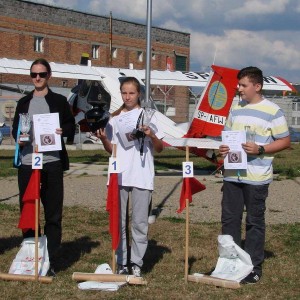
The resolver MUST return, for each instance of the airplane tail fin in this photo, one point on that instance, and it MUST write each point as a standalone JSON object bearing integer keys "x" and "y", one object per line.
{"x": 215, "y": 102}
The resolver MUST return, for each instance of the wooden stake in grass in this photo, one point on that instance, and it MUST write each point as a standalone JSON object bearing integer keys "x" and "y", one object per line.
{"x": 18, "y": 277}
{"x": 230, "y": 284}
{"x": 115, "y": 232}
{"x": 36, "y": 240}
{"x": 130, "y": 279}
{"x": 187, "y": 221}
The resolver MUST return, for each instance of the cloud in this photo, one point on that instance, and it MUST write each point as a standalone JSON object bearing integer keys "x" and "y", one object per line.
{"x": 121, "y": 9}
{"x": 259, "y": 7}
{"x": 60, "y": 3}
{"x": 239, "y": 48}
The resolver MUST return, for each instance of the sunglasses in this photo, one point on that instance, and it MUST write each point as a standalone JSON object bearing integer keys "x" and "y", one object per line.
{"x": 42, "y": 74}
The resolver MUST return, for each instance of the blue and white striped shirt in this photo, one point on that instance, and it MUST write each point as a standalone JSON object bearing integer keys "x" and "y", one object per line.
{"x": 268, "y": 121}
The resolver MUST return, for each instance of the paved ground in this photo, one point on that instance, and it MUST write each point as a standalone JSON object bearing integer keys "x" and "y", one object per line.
{"x": 85, "y": 184}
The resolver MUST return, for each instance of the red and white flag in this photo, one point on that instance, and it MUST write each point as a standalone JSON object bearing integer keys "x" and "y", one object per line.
{"x": 190, "y": 186}
{"x": 32, "y": 192}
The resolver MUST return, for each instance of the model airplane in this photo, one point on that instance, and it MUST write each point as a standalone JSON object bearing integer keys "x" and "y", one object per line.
{"x": 100, "y": 85}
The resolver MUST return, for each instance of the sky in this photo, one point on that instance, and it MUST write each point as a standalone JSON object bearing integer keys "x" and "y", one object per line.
{"x": 230, "y": 33}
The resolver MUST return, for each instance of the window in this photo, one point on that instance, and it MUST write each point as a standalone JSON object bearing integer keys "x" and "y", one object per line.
{"x": 64, "y": 83}
{"x": 114, "y": 52}
{"x": 153, "y": 56}
{"x": 95, "y": 51}
{"x": 294, "y": 121}
{"x": 38, "y": 44}
{"x": 180, "y": 63}
{"x": 140, "y": 56}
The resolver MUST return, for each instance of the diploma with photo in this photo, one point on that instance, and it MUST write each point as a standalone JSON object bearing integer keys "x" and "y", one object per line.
{"x": 236, "y": 157}
{"x": 45, "y": 126}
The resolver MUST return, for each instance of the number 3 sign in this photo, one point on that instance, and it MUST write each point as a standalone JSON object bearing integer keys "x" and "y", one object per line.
{"x": 187, "y": 169}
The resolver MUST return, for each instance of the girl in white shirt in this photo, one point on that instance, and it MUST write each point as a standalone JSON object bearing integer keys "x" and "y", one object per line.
{"x": 136, "y": 169}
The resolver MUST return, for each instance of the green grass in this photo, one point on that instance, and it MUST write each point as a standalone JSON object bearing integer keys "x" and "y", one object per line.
{"x": 86, "y": 244}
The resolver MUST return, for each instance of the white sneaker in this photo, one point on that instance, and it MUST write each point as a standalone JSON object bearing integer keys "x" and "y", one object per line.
{"x": 136, "y": 271}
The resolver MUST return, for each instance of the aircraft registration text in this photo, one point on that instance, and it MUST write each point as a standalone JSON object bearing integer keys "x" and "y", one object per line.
{"x": 211, "y": 118}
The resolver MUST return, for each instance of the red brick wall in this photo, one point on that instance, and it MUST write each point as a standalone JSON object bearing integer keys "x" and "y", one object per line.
{"x": 66, "y": 44}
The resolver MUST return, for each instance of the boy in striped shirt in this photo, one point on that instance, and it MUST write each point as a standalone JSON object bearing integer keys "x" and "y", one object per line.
{"x": 249, "y": 187}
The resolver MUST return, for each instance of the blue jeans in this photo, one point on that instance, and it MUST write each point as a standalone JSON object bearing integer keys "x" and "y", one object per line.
{"x": 236, "y": 196}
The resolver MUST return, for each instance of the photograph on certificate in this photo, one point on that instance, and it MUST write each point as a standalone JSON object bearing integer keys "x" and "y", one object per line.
{"x": 45, "y": 126}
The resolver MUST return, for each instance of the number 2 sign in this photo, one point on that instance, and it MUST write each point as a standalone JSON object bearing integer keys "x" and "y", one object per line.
{"x": 37, "y": 160}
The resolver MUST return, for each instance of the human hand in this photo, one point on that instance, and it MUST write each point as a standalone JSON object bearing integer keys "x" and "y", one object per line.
{"x": 146, "y": 129}
{"x": 23, "y": 139}
{"x": 100, "y": 133}
{"x": 21, "y": 144}
{"x": 250, "y": 148}
{"x": 223, "y": 150}
{"x": 58, "y": 131}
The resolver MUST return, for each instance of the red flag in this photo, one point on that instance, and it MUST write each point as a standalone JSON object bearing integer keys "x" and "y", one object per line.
{"x": 112, "y": 206}
{"x": 27, "y": 218}
{"x": 190, "y": 186}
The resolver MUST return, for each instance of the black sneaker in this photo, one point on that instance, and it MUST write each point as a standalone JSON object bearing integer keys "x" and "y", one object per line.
{"x": 252, "y": 278}
{"x": 122, "y": 270}
{"x": 51, "y": 272}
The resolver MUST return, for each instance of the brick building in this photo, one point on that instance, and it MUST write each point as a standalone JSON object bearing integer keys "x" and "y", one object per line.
{"x": 29, "y": 30}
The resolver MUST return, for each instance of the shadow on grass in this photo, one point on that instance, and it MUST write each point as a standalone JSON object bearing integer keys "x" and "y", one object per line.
{"x": 158, "y": 209}
{"x": 153, "y": 255}
{"x": 9, "y": 243}
{"x": 71, "y": 252}
{"x": 269, "y": 254}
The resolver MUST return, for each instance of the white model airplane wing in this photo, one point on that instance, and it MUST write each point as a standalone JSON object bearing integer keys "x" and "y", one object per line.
{"x": 277, "y": 83}
{"x": 202, "y": 143}
{"x": 173, "y": 78}
{"x": 22, "y": 67}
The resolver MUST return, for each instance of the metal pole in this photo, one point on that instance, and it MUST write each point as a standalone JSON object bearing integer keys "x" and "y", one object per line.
{"x": 148, "y": 52}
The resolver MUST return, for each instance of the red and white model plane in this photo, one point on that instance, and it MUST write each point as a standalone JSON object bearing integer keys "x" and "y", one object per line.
{"x": 102, "y": 84}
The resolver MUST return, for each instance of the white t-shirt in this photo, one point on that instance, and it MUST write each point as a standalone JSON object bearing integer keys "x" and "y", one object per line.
{"x": 135, "y": 170}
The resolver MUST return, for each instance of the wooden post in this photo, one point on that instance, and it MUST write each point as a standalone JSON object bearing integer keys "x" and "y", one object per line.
{"x": 187, "y": 221}
{"x": 131, "y": 279}
{"x": 230, "y": 284}
{"x": 113, "y": 261}
{"x": 19, "y": 277}
{"x": 36, "y": 235}
{"x": 36, "y": 241}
